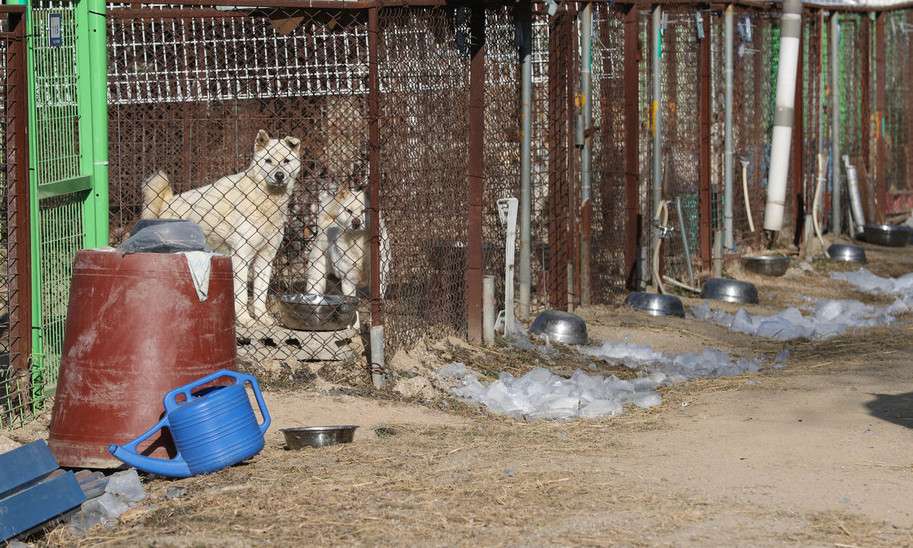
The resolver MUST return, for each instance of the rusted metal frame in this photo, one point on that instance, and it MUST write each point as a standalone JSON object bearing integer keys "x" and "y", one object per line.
{"x": 557, "y": 172}
{"x": 17, "y": 180}
{"x": 881, "y": 183}
{"x": 762, "y": 5}
{"x": 908, "y": 116}
{"x": 288, "y": 4}
{"x": 573, "y": 156}
{"x": 476, "y": 173}
{"x": 795, "y": 200}
{"x": 704, "y": 153}
{"x": 377, "y": 317}
{"x": 866, "y": 182}
{"x": 631, "y": 77}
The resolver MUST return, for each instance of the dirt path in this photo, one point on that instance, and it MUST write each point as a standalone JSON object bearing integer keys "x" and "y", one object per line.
{"x": 816, "y": 454}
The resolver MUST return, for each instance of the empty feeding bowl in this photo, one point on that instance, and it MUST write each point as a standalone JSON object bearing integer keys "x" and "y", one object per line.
{"x": 655, "y": 304}
{"x": 766, "y": 265}
{"x": 314, "y": 312}
{"x": 886, "y": 235}
{"x": 562, "y": 327}
{"x": 318, "y": 436}
{"x": 846, "y": 253}
{"x": 729, "y": 290}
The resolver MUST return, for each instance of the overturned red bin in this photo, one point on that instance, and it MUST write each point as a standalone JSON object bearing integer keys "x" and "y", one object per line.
{"x": 136, "y": 329}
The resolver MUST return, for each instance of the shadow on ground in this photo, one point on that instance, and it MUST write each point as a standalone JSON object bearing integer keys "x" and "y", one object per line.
{"x": 895, "y": 408}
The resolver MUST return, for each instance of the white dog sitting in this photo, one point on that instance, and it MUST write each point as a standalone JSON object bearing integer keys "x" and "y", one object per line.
{"x": 243, "y": 215}
{"x": 341, "y": 246}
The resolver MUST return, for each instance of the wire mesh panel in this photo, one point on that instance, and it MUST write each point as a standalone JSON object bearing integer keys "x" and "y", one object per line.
{"x": 423, "y": 66}
{"x": 16, "y": 401}
{"x": 609, "y": 205}
{"x": 680, "y": 135}
{"x": 252, "y": 123}
{"x": 899, "y": 109}
{"x": 754, "y": 82}
{"x": 59, "y": 168}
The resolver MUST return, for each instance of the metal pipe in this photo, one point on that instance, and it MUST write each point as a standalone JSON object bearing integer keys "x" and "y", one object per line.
{"x": 525, "y": 31}
{"x": 488, "y": 309}
{"x": 836, "y": 227}
{"x": 377, "y": 356}
{"x": 728, "y": 165}
{"x": 475, "y": 174}
{"x": 656, "y": 111}
{"x": 784, "y": 116}
{"x": 683, "y": 229}
{"x": 584, "y": 123}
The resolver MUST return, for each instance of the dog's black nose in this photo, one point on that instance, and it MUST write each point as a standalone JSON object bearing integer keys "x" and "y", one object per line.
{"x": 356, "y": 223}
{"x": 280, "y": 176}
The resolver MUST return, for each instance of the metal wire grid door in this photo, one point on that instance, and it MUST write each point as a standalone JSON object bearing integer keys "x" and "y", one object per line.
{"x": 16, "y": 396}
{"x": 252, "y": 123}
{"x": 898, "y": 122}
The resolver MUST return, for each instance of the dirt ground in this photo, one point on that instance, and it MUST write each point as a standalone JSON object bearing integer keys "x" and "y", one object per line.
{"x": 815, "y": 454}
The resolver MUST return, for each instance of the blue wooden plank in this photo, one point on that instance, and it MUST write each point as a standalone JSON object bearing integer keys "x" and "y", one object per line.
{"x": 37, "y": 504}
{"x": 25, "y": 464}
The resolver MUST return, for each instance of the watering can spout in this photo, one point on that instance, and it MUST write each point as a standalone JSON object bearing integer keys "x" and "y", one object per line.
{"x": 175, "y": 468}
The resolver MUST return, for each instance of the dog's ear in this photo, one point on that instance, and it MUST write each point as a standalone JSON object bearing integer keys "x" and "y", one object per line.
{"x": 293, "y": 143}
{"x": 262, "y": 140}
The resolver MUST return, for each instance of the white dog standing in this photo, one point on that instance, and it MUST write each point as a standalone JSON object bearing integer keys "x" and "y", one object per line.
{"x": 243, "y": 215}
{"x": 341, "y": 246}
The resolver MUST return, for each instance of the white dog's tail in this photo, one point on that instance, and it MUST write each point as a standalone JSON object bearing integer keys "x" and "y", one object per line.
{"x": 156, "y": 195}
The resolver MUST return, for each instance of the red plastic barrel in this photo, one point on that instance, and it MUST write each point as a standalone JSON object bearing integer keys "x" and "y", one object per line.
{"x": 135, "y": 330}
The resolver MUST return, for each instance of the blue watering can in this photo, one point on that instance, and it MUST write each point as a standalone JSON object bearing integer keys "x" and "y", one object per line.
{"x": 212, "y": 430}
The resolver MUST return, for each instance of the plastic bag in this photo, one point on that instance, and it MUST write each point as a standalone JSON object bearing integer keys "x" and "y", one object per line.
{"x": 164, "y": 236}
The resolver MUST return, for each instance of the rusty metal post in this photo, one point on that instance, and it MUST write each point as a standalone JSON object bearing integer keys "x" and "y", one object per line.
{"x": 476, "y": 171}
{"x": 633, "y": 220}
{"x": 570, "y": 215}
{"x": 377, "y": 318}
{"x": 17, "y": 176}
{"x": 559, "y": 276}
{"x": 704, "y": 140}
{"x": 866, "y": 187}
{"x": 795, "y": 199}
{"x": 881, "y": 98}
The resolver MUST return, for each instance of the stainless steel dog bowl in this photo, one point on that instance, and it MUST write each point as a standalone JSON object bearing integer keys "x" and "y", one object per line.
{"x": 729, "y": 290}
{"x": 846, "y": 253}
{"x": 318, "y": 436}
{"x": 655, "y": 304}
{"x": 766, "y": 265}
{"x": 562, "y": 327}
{"x": 313, "y": 312}
{"x": 886, "y": 235}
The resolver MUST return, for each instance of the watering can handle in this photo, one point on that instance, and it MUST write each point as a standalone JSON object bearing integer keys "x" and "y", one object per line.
{"x": 170, "y": 400}
{"x": 127, "y": 453}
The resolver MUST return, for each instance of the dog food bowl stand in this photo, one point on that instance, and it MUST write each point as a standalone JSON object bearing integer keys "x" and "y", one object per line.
{"x": 135, "y": 330}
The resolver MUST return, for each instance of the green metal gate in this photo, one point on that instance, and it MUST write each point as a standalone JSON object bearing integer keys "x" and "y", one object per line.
{"x": 68, "y": 161}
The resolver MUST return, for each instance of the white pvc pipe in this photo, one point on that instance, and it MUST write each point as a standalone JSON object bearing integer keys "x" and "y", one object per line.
{"x": 790, "y": 31}
{"x": 852, "y": 183}
{"x": 377, "y": 356}
{"x": 488, "y": 309}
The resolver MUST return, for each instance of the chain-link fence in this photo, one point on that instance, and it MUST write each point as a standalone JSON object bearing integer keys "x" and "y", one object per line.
{"x": 20, "y": 394}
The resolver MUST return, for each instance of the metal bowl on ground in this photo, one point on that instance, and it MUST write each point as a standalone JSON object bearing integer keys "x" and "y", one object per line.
{"x": 729, "y": 290}
{"x": 318, "y": 436}
{"x": 766, "y": 265}
{"x": 846, "y": 253}
{"x": 314, "y": 312}
{"x": 562, "y": 327}
{"x": 655, "y": 304}
{"x": 886, "y": 235}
